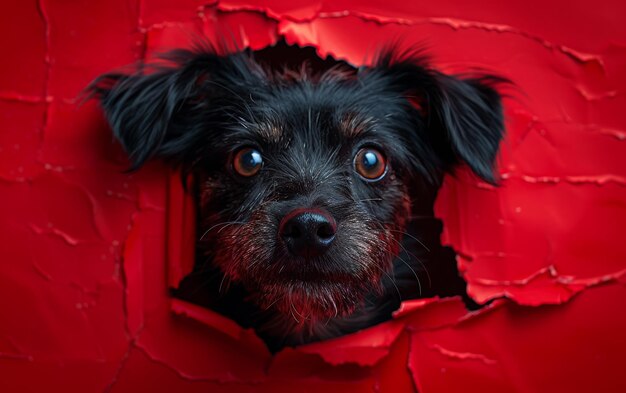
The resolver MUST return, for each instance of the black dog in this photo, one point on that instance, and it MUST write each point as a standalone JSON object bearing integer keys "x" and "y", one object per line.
{"x": 315, "y": 185}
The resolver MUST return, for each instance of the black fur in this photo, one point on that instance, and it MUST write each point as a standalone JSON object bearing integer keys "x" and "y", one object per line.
{"x": 195, "y": 109}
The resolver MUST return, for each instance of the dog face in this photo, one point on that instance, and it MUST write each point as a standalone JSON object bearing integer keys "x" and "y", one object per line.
{"x": 305, "y": 179}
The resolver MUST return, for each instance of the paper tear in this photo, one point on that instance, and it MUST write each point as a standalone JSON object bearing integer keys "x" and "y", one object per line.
{"x": 48, "y": 64}
{"x": 571, "y": 53}
{"x": 16, "y": 356}
{"x": 462, "y": 355}
{"x": 209, "y": 318}
{"x": 543, "y": 288}
{"x": 593, "y": 96}
{"x": 454, "y": 23}
{"x": 164, "y": 362}
{"x": 364, "y": 348}
{"x": 15, "y": 97}
{"x": 617, "y": 134}
{"x": 304, "y": 13}
{"x": 551, "y": 272}
{"x": 46, "y": 276}
{"x": 409, "y": 306}
{"x": 131, "y": 270}
{"x": 597, "y": 180}
{"x": 70, "y": 240}
{"x": 123, "y": 362}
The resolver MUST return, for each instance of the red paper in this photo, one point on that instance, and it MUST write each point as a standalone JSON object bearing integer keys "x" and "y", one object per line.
{"x": 89, "y": 253}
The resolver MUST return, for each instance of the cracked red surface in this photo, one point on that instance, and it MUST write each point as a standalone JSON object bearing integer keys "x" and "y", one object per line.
{"x": 89, "y": 252}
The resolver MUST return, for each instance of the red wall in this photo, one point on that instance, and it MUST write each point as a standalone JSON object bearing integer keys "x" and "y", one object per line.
{"x": 84, "y": 302}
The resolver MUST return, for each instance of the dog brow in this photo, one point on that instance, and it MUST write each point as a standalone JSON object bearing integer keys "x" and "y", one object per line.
{"x": 353, "y": 125}
{"x": 273, "y": 133}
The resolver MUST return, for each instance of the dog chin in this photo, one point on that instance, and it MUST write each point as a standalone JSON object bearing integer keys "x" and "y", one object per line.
{"x": 311, "y": 300}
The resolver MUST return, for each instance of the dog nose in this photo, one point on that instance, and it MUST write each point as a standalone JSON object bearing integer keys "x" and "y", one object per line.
{"x": 308, "y": 233}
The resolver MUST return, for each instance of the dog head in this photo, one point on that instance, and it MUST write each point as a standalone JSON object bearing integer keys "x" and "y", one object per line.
{"x": 304, "y": 176}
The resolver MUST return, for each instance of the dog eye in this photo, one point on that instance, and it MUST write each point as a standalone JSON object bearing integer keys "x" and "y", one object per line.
{"x": 247, "y": 162}
{"x": 370, "y": 164}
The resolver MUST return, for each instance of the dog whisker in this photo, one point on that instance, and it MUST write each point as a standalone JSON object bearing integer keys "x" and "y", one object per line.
{"x": 332, "y": 301}
{"x": 293, "y": 309}
{"x": 412, "y": 237}
{"x": 417, "y": 260}
{"x": 419, "y": 284}
{"x": 406, "y": 263}
{"x": 393, "y": 281}
{"x": 274, "y": 302}
{"x": 221, "y": 224}
{"x": 219, "y": 290}
{"x": 370, "y": 200}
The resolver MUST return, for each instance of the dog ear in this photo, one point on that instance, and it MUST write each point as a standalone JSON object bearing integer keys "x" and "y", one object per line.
{"x": 468, "y": 113}
{"x": 462, "y": 117}
{"x": 160, "y": 110}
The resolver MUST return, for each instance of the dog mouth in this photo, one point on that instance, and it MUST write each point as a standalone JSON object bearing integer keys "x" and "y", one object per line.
{"x": 320, "y": 287}
{"x": 311, "y": 298}
{"x": 308, "y": 266}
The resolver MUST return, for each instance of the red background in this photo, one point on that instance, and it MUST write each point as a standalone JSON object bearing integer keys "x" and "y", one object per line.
{"x": 84, "y": 302}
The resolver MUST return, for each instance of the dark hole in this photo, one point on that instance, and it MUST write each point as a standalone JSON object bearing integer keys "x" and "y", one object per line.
{"x": 282, "y": 56}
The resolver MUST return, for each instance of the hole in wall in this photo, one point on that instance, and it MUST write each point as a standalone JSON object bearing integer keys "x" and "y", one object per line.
{"x": 423, "y": 268}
